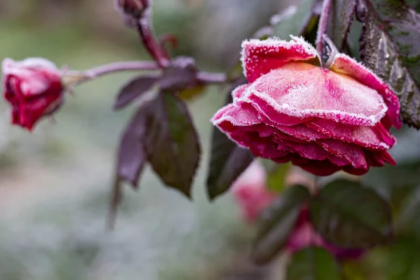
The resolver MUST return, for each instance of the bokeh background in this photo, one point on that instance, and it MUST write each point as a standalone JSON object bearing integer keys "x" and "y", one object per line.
{"x": 55, "y": 182}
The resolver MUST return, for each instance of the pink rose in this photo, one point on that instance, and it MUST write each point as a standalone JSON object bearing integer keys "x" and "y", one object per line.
{"x": 250, "y": 192}
{"x": 33, "y": 87}
{"x": 322, "y": 120}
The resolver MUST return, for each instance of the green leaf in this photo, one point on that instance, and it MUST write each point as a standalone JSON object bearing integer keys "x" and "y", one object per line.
{"x": 403, "y": 260}
{"x": 227, "y": 162}
{"x": 313, "y": 264}
{"x": 349, "y": 215}
{"x": 340, "y": 17}
{"x": 408, "y": 222}
{"x": 277, "y": 222}
{"x": 390, "y": 46}
{"x": 172, "y": 143}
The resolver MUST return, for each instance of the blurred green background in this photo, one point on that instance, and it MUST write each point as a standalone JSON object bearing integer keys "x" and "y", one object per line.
{"x": 55, "y": 182}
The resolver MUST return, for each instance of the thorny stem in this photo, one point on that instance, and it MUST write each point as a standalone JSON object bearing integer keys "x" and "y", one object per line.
{"x": 322, "y": 27}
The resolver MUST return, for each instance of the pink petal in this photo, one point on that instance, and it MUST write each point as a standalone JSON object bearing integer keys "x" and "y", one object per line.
{"x": 348, "y": 66}
{"x": 351, "y": 153}
{"x": 308, "y": 150}
{"x": 238, "y": 92}
{"x": 233, "y": 115}
{"x": 355, "y": 171}
{"x": 337, "y": 161}
{"x": 379, "y": 158}
{"x": 260, "y": 57}
{"x": 365, "y": 136}
{"x": 303, "y": 91}
{"x": 302, "y": 132}
{"x": 317, "y": 167}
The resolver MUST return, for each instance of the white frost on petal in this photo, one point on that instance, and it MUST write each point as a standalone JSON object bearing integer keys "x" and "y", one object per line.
{"x": 37, "y": 62}
{"x": 301, "y": 93}
{"x": 273, "y": 45}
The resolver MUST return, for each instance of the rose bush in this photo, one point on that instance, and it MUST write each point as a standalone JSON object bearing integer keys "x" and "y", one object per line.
{"x": 322, "y": 120}
{"x": 34, "y": 89}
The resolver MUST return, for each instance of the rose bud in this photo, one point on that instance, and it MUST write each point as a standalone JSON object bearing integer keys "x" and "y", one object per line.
{"x": 323, "y": 120}
{"x": 250, "y": 192}
{"x": 34, "y": 89}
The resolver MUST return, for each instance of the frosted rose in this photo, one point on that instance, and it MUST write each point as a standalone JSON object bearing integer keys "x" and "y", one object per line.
{"x": 33, "y": 87}
{"x": 322, "y": 120}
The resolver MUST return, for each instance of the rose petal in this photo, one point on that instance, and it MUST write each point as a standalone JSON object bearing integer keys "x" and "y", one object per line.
{"x": 379, "y": 158}
{"x": 308, "y": 150}
{"x": 348, "y": 66}
{"x": 302, "y": 132}
{"x": 238, "y": 92}
{"x": 260, "y": 57}
{"x": 234, "y": 115}
{"x": 303, "y": 91}
{"x": 317, "y": 167}
{"x": 351, "y": 153}
{"x": 365, "y": 136}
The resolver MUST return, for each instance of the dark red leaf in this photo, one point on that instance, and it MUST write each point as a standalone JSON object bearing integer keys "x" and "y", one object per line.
{"x": 131, "y": 153}
{"x": 227, "y": 160}
{"x": 172, "y": 143}
{"x": 133, "y": 90}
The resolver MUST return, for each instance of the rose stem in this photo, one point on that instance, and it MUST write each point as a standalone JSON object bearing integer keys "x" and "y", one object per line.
{"x": 322, "y": 26}
{"x": 204, "y": 77}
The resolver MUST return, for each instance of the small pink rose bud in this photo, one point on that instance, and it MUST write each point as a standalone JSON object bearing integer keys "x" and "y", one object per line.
{"x": 132, "y": 8}
{"x": 34, "y": 89}
{"x": 250, "y": 192}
